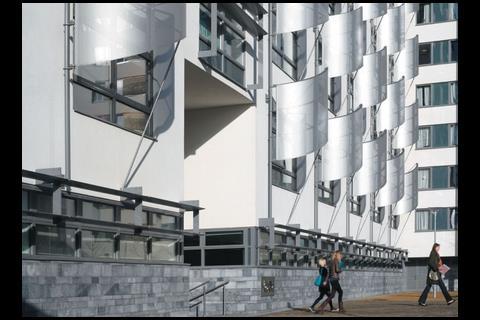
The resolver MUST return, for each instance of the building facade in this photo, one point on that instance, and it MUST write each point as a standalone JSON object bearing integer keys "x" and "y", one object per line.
{"x": 286, "y": 140}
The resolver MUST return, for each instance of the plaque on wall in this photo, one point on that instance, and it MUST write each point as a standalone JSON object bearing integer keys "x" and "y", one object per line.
{"x": 268, "y": 286}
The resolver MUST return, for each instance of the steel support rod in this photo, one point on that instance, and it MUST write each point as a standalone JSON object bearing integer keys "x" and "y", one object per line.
{"x": 270, "y": 28}
{"x": 66, "y": 71}
{"x": 203, "y": 301}
{"x": 125, "y": 182}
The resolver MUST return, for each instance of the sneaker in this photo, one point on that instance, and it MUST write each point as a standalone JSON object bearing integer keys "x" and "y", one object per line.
{"x": 335, "y": 310}
{"x": 422, "y": 304}
{"x": 311, "y": 309}
{"x": 451, "y": 301}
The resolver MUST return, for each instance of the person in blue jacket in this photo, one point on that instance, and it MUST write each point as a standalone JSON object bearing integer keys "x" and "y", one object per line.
{"x": 324, "y": 287}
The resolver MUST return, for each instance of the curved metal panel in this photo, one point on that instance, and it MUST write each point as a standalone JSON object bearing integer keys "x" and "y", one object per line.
{"x": 373, "y": 173}
{"x": 108, "y": 31}
{"x": 391, "y": 112}
{"x": 407, "y": 62}
{"x": 302, "y": 116}
{"x": 409, "y": 201}
{"x": 411, "y": 7}
{"x": 299, "y": 16}
{"x": 407, "y": 133}
{"x": 372, "y": 10}
{"x": 370, "y": 84}
{"x": 342, "y": 155}
{"x": 393, "y": 190}
{"x": 343, "y": 43}
{"x": 391, "y": 31}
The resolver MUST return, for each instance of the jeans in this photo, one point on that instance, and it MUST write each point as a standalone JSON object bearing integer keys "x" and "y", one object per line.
{"x": 423, "y": 297}
{"x": 335, "y": 288}
{"x": 322, "y": 293}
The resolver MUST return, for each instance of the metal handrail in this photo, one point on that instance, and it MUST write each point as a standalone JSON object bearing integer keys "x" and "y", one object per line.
{"x": 205, "y": 293}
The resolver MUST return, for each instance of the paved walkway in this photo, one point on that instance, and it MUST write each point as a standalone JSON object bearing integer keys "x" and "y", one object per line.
{"x": 394, "y": 305}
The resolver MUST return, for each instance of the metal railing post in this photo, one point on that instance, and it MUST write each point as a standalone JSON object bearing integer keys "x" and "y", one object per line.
{"x": 196, "y": 311}
{"x": 203, "y": 301}
{"x": 223, "y": 300}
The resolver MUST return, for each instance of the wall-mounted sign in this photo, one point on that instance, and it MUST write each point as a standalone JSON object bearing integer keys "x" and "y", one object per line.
{"x": 268, "y": 286}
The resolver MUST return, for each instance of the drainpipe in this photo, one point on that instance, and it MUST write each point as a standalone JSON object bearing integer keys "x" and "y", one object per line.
{"x": 270, "y": 24}
{"x": 66, "y": 72}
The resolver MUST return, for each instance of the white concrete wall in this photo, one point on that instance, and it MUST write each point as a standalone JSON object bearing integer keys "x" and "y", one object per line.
{"x": 100, "y": 153}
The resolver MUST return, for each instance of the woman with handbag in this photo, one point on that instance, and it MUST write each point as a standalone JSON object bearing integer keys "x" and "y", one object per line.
{"x": 434, "y": 277}
{"x": 322, "y": 282}
{"x": 334, "y": 269}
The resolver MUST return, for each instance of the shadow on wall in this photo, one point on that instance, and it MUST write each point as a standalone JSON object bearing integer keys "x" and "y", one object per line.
{"x": 30, "y": 310}
{"x": 202, "y": 124}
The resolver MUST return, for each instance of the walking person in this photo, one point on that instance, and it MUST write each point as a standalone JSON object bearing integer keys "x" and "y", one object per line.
{"x": 324, "y": 287}
{"x": 334, "y": 271}
{"x": 434, "y": 276}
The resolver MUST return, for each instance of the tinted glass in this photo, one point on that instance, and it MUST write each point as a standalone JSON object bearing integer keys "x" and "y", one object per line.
{"x": 97, "y": 211}
{"x": 24, "y": 200}
{"x": 97, "y": 244}
{"x": 224, "y": 238}
{"x": 53, "y": 240}
{"x": 233, "y": 45}
{"x": 68, "y": 207}
{"x": 440, "y": 12}
{"x": 454, "y": 50}
{"x": 440, "y": 52}
{"x": 130, "y": 118}
{"x": 191, "y": 240}
{"x": 128, "y": 216}
{"x": 233, "y": 71}
{"x": 219, "y": 257}
{"x": 164, "y": 221}
{"x": 440, "y": 93}
{"x": 192, "y": 257}
{"x": 132, "y": 80}
{"x": 443, "y": 218}
{"x": 440, "y": 135}
{"x": 453, "y": 176}
{"x": 424, "y": 53}
{"x": 25, "y": 238}
{"x": 91, "y": 103}
{"x": 40, "y": 201}
{"x": 439, "y": 177}
{"x": 164, "y": 249}
{"x": 132, "y": 247}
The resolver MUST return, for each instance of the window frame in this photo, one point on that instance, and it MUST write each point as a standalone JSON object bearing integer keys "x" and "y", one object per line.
{"x": 450, "y": 211}
{"x": 357, "y": 205}
{"x": 430, "y": 136}
{"x": 112, "y": 94}
{"x": 430, "y": 176}
{"x": 449, "y": 41}
{"x": 429, "y": 85}
{"x": 333, "y": 189}
{"x": 431, "y": 4}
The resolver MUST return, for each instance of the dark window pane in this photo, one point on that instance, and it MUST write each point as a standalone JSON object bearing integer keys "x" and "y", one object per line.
{"x": 40, "y": 202}
{"x": 233, "y": 71}
{"x": 164, "y": 221}
{"x": 440, "y": 93}
{"x": 440, "y": 52}
{"x": 54, "y": 240}
{"x": 97, "y": 244}
{"x": 132, "y": 247}
{"x": 443, "y": 219}
{"x": 25, "y": 238}
{"x": 191, "y": 241}
{"x": 454, "y": 135}
{"x": 224, "y": 257}
{"x": 132, "y": 80}
{"x": 192, "y": 257}
{"x": 164, "y": 249}
{"x": 68, "y": 207}
{"x": 440, "y": 12}
{"x": 440, "y": 136}
{"x": 454, "y": 49}
{"x": 130, "y": 118}
{"x": 233, "y": 46}
{"x": 223, "y": 238}
{"x": 439, "y": 177}
{"x": 424, "y": 53}
{"x": 280, "y": 238}
{"x": 97, "y": 211}
{"x": 91, "y": 103}
{"x": 453, "y": 177}
{"x": 423, "y": 15}
{"x": 24, "y": 200}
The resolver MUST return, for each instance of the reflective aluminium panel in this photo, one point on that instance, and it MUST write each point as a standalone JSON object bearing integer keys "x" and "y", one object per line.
{"x": 372, "y": 10}
{"x": 343, "y": 43}
{"x": 370, "y": 83}
{"x": 391, "y": 32}
{"x": 299, "y": 16}
{"x": 409, "y": 201}
{"x": 302, "y": 116}
{"x": 391, "y": 112}
{"x": 393, "y": 189}
{"x": 411, "y": 7}
{"x": 407, "y": 63}
{"x": 108, "y": 31}
{"x": 407, "y": 133}
{"x": 342, "y": 155}
{"x": 373, "y": 173}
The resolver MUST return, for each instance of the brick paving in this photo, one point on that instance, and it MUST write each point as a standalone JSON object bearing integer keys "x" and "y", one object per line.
{"x": 393, "y": 305}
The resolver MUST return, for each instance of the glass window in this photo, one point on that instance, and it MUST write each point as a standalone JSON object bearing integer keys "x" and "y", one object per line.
{"x": 453, "y": 176}
{"x": 26, "y": 238}
{"x": 453, "y": 135}
{"x": 233, "y": 45}
{"x": 378, "y": 214}
{"x": 423, "y": 178}
{"x": 440, "y": 135}
{"x": 440, "y": 12}
{"x": 24, "y": 200}
{"x": 40, "y": 201}
{"x": 439, "y": 177}
{"x": 97, "y": 244}
{"x": 223, "y": 238}
{"x": 233, "y": 71}
{"x": 329, "y": 192}
{"x": 423, "y": 220}
{"x": 423, "y": 14}
{"x": 54, "y": 240}
{"x": 440, "y": 52}
{"x": 453, "y": 218}
{"x": 436, "y": 12}
{"x": 423, "y": 96}
{"x": 395, "y": 221}
{"x": 425, "y": 54}
{"x": 68, "y": 207}
{"x": 164, "y": 221}
{"x": 440, "y": 93}
{"x": 164, "y": 249}
{"x": 132, "y": 79}
{"x": 442, "y": 222}
{"x": 132, "y": 247}
{"x": 264, "y": 257}
{"x": 130, "y": 118}
{"x": 97, "y": 211}
{"x": 453, "y": 92}
{"x": 128, "y": 216}
{"x": 219, "y": 257}
{"x": 454, "y": 50}
{"x": 91, "y": 103}
{"x": 193, "y": 257}
{"x": 276, "y": 257}
{"x": 357, "y": 205}
{"x": 423, "y": 138}
{"x": 191, "y": 240}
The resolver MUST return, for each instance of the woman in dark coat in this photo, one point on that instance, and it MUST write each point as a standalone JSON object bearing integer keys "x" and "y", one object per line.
{"x": 324, "y": 287}
{"x": 434, "y": 262}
